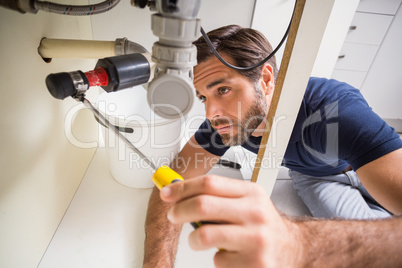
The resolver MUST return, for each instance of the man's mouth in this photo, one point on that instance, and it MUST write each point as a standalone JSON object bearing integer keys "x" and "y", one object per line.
{"x": 223, "y": 129}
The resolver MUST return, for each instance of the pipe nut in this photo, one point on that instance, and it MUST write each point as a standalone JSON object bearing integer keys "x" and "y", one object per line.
{"x": 174, "y": 31}
{"x": 175, "y": 57}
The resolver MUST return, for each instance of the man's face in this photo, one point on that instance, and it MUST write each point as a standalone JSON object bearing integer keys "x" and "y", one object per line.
{"x": 235, "y": 106}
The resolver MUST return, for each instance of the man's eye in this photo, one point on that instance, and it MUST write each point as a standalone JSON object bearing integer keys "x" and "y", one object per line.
{"x": 223, "y": 90}
{"x": 202, "y": 98}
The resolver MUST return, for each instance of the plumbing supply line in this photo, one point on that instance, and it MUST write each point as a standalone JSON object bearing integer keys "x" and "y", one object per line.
{"x": 75, "y": 10}
{"x": 102, "y": 119}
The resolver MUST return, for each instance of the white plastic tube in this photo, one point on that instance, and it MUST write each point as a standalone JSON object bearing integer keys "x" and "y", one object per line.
{"x": 87, "y": 49}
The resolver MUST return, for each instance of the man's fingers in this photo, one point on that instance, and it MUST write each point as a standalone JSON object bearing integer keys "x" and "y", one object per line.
{"x": 223, "y": 236}
{"x": 238, "y": 246}
{"x": 216, "y": 199}
{"x": 228, "y": 259}
{"x": 209, "y": 184}
{"x": 231, "y": 259}
{"x": 209, "y": 208}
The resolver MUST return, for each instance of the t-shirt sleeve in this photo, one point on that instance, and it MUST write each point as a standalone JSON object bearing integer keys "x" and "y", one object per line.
{"x": 363, "y": 135}
{"x": 336, "y": 127}
{"x": 210, "y": 140}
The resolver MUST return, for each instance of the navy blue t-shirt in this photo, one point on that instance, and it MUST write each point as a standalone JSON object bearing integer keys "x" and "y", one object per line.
{"x": 335, "y": 128}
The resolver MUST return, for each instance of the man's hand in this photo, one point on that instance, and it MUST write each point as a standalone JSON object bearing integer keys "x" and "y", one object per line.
{"x": 250, "y": 229}
{"x": 253, "y": 234}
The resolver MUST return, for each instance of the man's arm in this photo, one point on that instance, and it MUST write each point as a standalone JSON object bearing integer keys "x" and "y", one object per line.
{"x": 383, "y": 180}
{"x": 161, "y": 235}
{"x": 375, "y": 243}
{"x": 253, "y": 233}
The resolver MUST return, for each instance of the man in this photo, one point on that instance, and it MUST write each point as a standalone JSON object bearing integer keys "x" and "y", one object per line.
{"x": 326, "y": 163}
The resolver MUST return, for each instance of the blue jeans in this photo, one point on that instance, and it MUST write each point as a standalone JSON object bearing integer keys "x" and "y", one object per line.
{"x": 341, "y": 196}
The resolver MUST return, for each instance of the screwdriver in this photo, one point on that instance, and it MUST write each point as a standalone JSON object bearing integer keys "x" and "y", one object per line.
{"x": 162, "y": 176}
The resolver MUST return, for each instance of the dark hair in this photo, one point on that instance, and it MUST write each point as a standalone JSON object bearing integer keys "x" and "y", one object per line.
{"x": 244, "y": 45}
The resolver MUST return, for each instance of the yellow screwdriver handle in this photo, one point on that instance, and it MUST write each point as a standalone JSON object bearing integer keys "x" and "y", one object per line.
{"x": 164, "y": 176}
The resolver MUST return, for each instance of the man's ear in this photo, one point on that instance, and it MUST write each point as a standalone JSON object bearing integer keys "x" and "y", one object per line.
{"x": 267, "y": 79}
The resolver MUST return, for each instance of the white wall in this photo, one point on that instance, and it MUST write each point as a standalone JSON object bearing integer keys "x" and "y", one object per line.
{"x": 40, "y": 168}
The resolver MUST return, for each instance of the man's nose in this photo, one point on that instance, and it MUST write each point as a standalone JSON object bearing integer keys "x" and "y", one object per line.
{"x": 213, "y": 109}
